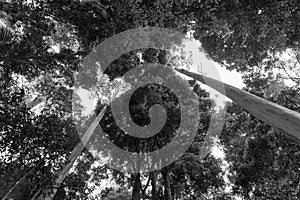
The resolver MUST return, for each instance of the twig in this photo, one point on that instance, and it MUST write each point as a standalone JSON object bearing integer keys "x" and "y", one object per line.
{"x": 295, "y": 79}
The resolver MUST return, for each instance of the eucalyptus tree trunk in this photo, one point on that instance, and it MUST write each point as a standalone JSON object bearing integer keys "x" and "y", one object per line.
{"x": 284, "y": 119}
{"x": 167, "y": 184}
{"x": 136, "y": 190}
{"x": 153, "y": 185}
{"x": 6, "y": 33}
{"x": 5, "y": 28}
{"x": 22, "y": 185}
{"x": 50, "y": 193}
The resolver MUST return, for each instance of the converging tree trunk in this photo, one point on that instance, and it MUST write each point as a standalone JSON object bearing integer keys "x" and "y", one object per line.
{"x": 153, "y": 176}
{"x": 136, "y": 190}
{"x": 167, "y": 184}
{"x": 278, "y": 116}
{"x": 48, "y": 194}
{"x": 5, "y": 28}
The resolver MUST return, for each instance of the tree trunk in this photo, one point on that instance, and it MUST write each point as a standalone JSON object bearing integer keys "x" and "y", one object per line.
{"x": 282, "y": 118}
{"x": 36, "y": 101}
{"x": 60, "y": 194}
{"x": 167, "y": 191}
{"x": 50, "y": 193}
{"x": 136, "y": 191}
{"x": 153, "y": 185}
{"x": 6, "y": 32}
{"x": 22, "y": 184}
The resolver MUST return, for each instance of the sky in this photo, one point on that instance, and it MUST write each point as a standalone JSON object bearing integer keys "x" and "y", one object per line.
{"x": 214, "y": 70}
{"x": 200, "y": 63}
{"x": 210, "y": 69}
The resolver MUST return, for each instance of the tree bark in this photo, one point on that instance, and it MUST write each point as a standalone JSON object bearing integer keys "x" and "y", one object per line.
{"x": 6, "y": 32}
{"x": 60, "y": 194}
{"x": 282, "y": 118}
{"x": 167, "y": 191}
{"x": 22, "y": 183}
{"x": 50, "y": 193}
{"x": 153, "y": 185}
{"x": 136, "y": 191}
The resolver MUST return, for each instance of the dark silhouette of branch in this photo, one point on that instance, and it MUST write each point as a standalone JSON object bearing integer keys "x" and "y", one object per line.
{"x": 295, "y": 79}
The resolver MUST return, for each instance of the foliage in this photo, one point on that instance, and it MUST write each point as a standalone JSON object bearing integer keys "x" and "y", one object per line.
{"x": 45, "y": 41}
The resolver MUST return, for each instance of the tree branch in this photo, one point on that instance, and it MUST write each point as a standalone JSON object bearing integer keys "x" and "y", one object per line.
{"x": 146, "y": 186}
{"x": 295, "y": 79}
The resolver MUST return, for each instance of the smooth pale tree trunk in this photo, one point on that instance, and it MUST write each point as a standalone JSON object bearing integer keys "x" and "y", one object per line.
{"x": 284, "y": 119}
{"x": 11, "y": 194}
{"x": 21, "y": 182}
{"x": 72, "y": 158}
{"x": 30, "y": 105}
{"x": 36, "y": 101}
{"x": 50, "y": 193}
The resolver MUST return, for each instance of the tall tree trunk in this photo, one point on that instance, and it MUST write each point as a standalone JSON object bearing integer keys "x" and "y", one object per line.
{"x": 167, "y": 191}
{"x": 282, "y": 118}
{"x": 6, "y": 32}
{"x": 153, "y": 185}
{"x": 136, "y": 191}
{"x": 49, "y": 194}
{"x": 22, "y": 183}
